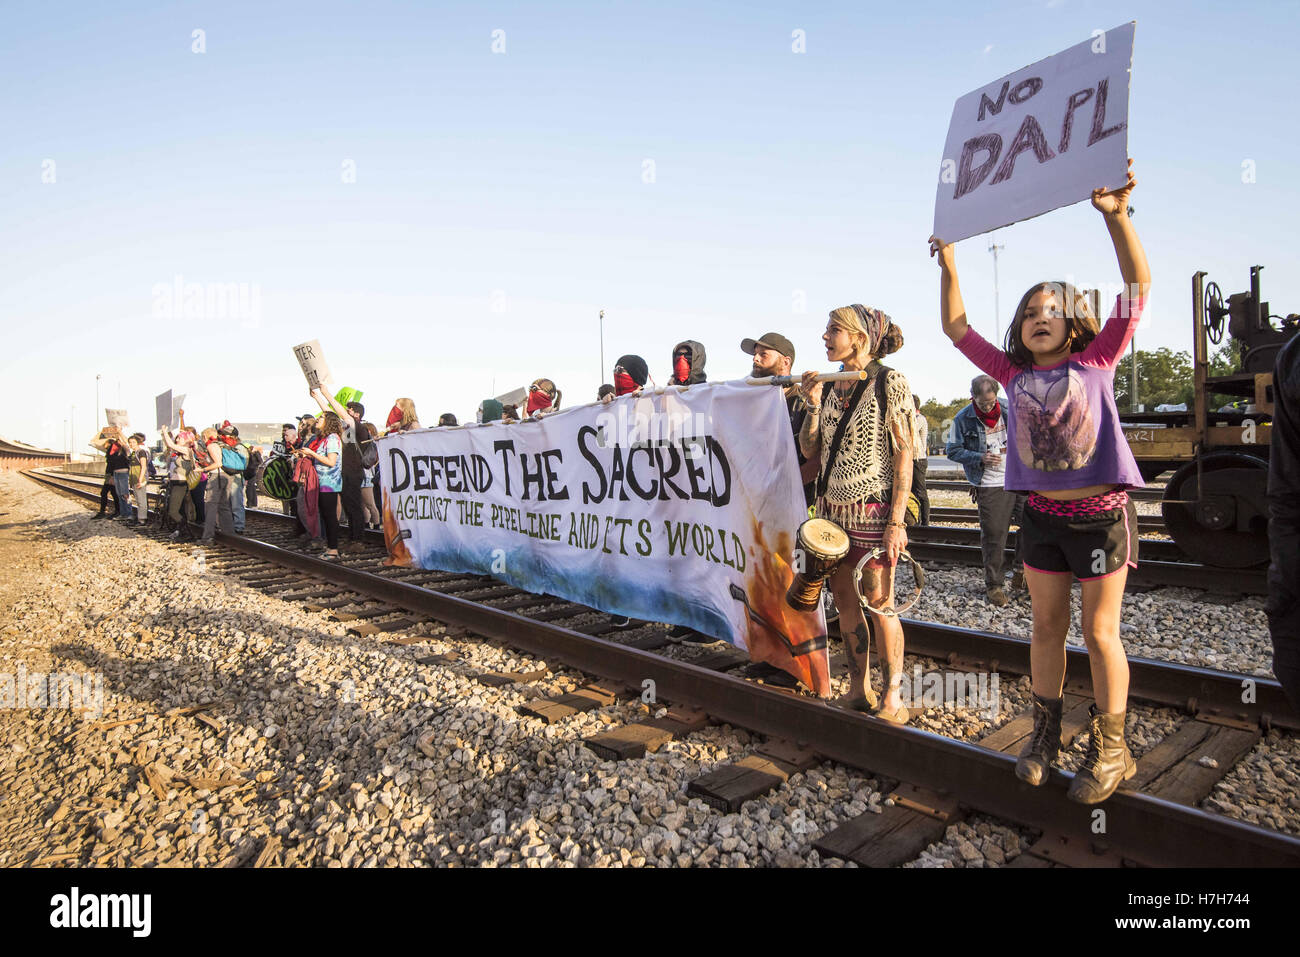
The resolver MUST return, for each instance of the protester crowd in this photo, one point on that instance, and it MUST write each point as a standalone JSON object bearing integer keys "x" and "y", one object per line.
{"x": 861, "y": 447}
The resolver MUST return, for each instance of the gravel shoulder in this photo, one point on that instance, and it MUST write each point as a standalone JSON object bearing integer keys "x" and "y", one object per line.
{"x": 233, "y": 729}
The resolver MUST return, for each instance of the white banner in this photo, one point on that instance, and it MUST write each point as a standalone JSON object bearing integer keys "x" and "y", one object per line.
{"x": 679, "y": 508}
{"x": 312, "y": 362}
{"x": 1037, "y": 139}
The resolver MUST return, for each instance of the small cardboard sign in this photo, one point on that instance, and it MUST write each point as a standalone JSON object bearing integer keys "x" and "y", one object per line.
{"x": 117, "y": 418}
{"x": 312, "y": 362}
{"x": 1037, "y": 139}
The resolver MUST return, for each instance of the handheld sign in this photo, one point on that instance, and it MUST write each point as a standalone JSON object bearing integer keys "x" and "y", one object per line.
{"x": 312, "y": 361}
{"x": 117, "y": 418}
{"x": 166, "y": 407}
{"x": 1037, "y": 139}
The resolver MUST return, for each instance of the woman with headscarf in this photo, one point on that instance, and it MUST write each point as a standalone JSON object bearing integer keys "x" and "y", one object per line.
{"x": 861, "y": 432}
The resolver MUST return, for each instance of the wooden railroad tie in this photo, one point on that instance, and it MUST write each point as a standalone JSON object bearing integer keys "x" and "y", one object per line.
{"x": 898, "y": 833}
{"x": 498, "y": 679}
{"x": 728, "y": 787}
{"x": 587, "y": 698}
{"x": 1186, "y": 765}
{"x": 646, "y": 736}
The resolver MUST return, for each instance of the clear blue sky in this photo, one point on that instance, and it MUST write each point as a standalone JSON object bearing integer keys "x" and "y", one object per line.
{"x": 499, "y": 201}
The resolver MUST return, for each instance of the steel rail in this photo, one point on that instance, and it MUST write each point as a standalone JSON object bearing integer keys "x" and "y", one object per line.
{"x": 1223, "y": 581}
{"x": 955, "y": 513}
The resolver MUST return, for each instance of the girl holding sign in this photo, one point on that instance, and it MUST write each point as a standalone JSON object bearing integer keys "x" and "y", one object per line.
{"x": 1065, "y": 445}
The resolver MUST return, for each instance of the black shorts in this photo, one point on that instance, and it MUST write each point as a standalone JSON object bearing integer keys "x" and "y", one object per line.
{"x": 1087, "y": 546}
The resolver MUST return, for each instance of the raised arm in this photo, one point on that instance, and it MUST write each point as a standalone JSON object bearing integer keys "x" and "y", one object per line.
{"x": 322, "y": 397}
{"x": 952, "y": 311}
{"x": 168, "y": 444}
{"x": 1132, "y": 257}
{"x": 99, "y": 442}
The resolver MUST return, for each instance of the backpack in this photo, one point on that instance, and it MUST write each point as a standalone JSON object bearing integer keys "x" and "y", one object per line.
{"x": 234, "y": 459}
{"x": 369, "y": 453}
{"x": 254, "y": 460}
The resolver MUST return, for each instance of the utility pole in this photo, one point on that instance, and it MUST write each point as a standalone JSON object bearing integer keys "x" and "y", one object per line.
{"x": 601, "y": 378}
{"x": 1133, "y": 393}
{"x": 994, "y": 248}
{"x": 97, "y": 404}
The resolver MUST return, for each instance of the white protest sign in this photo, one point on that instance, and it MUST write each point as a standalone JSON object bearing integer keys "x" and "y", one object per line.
{"x": 312, "y": 361}
{"x": 117, "y": 418}
{"x": 1037, "y": 139}
{"x": 167, "y": 409}
{"x": 677, "y": 507}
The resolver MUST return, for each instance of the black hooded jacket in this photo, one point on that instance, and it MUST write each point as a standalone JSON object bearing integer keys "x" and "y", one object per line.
{"x": 697, "y": 362}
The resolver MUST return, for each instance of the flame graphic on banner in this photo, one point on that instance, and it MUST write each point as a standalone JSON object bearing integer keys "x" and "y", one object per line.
{"x": 398, "y": 553}
{"x": 770, "y": 576}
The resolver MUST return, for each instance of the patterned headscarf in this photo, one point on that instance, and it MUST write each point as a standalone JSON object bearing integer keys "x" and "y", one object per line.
{"x": 874, "y": 321}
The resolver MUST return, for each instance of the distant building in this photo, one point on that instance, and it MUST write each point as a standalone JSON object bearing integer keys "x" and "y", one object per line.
{"x": 258, "y": 433}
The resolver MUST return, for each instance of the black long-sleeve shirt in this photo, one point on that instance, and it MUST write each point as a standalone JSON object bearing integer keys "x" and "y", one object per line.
{"x": 1283, "y": 605}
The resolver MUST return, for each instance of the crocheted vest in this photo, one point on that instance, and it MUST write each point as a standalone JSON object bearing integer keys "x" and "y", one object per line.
{"x": 863, "y": 472}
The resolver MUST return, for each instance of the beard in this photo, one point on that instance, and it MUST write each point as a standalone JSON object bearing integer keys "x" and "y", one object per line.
{"x": 758, "y": 371}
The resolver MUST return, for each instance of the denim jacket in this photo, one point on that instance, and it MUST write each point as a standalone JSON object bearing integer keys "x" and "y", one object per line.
{"x": 967, "y": 443}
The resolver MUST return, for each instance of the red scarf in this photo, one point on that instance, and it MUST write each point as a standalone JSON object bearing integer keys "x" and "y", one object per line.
{"x": 681, "y": 369}
{"x": 394, "y": 417}
{"x": 538, "y": 400}
{"x": 624, "y": 383}
{"x": 990, "y": 418}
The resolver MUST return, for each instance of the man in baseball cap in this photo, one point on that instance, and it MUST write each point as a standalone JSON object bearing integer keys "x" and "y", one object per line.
{"x": 773, "y": 353}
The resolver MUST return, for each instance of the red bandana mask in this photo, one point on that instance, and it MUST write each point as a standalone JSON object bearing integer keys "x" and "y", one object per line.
{"x": 991, "y": 417}
{"x": 394, "y": 417}
{"x": 538, "y": 401}
{"x": 681, "y": 369}
{"x": 623, "y": 383}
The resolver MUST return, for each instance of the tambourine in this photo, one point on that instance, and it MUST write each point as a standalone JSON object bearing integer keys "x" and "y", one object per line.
{"x": 918, "y": 581}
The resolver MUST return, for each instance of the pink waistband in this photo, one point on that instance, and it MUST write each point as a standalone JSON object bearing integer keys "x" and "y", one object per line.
{"x": 1105, "y": 502}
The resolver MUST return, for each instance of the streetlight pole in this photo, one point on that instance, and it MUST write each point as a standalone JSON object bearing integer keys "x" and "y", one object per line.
{"x": 997, "y": 309}
{"x": 97, "y": 378}
{"x": 601, "y": 379}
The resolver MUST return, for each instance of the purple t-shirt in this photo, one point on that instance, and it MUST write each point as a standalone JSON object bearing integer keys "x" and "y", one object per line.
{"x": 1063, "y": 430}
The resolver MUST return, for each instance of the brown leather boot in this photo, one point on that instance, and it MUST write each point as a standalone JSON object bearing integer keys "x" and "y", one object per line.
{"x": 1044, "y": 744}
{"x": 1108, "y": 760}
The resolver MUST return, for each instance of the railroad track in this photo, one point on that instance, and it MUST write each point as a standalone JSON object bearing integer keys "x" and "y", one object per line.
{"x": 941, "y": 779}
{"x": 944, "y": 544}
{"x": 1152, "y": 524}
{"x": 1148, "y": 549}
{"x": 1148, "y": 494}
